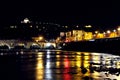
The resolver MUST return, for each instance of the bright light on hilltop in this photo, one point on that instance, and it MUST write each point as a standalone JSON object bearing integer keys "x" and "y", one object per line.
{"x": 88, "y": 26}
{"x": 26, "y": 20}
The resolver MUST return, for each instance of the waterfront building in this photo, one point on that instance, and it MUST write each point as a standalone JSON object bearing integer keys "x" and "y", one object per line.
{"x": 88, "y": 35}
{"x": 99, "y": 35}
{"x": 113, "y": 34}
{"x": 69, "y": 36}
{"x": 74, "y": 35}
{"x": 78, "y": 35}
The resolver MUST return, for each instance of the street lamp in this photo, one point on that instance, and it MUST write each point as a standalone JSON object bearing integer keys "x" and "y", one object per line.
{"x": 104, "y": 34}
{"x": 114, "y": 30}
{"x": 40, "y": 38}
{"x": 118, "y": 29}
{"x": 108, "y": 31}
{"x": 96, "y": 32}
{"x": 37, "y": 39}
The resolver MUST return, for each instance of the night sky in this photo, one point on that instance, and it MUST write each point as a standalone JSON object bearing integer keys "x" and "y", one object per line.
{"x": 99, "y": 14}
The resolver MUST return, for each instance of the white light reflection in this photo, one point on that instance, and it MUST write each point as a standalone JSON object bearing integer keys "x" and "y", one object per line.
{"x": 21, "y": 52}
{"x": 48, "y": 54}
{"x": 48, "y": 71}
{"x": 1, "y": 54}
{"x": 17, "y": 53}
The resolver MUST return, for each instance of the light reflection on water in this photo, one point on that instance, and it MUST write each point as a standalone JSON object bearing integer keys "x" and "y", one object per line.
{"x": 63, "y": 65}
{"x": 39, "y": 67}
{"x": 67, "y": 65}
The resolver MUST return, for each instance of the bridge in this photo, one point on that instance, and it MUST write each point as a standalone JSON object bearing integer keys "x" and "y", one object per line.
{"x": 27, "y": 44}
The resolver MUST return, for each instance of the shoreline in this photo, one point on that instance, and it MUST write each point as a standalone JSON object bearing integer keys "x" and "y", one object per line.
{"x": 99, "y": 45}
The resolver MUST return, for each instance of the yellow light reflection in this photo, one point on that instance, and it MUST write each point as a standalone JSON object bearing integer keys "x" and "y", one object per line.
{"x": 58, "y": 52}
{"x": 78, "y": 59}
{"x": 58, "y": 60}
{"x": 57, "y": 64}
{"x": 78, "y": 53}
{"x": 39, "y": 67}
{"x": 96, "y": 75}
{"x": 72, "y": 63}
{"x": 58, "y": 57}
{"x": 86, "y": 59}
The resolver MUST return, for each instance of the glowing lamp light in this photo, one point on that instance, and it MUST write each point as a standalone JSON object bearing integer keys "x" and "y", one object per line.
{"x": 40, "y": 38}
{"x": 96, "y": 32}
{"x": 66, "y": 26}
{"x": 104, "y": 33}
{"x": 108, "y": 31}
{"x": 118, "y": 28}
{"x": 67, "y": 40}
{"x": 48, "y": 44}
{"x": 62, "y": 34}
{"x": 26, "y": 20}
{"x": 88, "y": 26}
{"x": 114, "y": 30}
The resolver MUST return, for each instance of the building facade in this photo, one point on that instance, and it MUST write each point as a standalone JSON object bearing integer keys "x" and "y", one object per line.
{"x": 78, "y": 35}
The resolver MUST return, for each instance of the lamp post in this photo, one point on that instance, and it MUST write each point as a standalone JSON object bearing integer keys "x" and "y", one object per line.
{"x": 114, "y": 33}
{"x": 108, "y": 33}
{"x": 40, "y": 38}
{"x": 96, "y": 34}
{"x": 118, "y": 30}
{"x": 104, "y": 34}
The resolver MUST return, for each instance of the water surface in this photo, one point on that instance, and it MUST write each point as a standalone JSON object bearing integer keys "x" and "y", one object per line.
{"x": 58, "y": 65}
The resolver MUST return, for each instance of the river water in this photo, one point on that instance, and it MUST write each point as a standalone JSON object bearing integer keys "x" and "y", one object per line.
{"x": 58, "y": 65}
